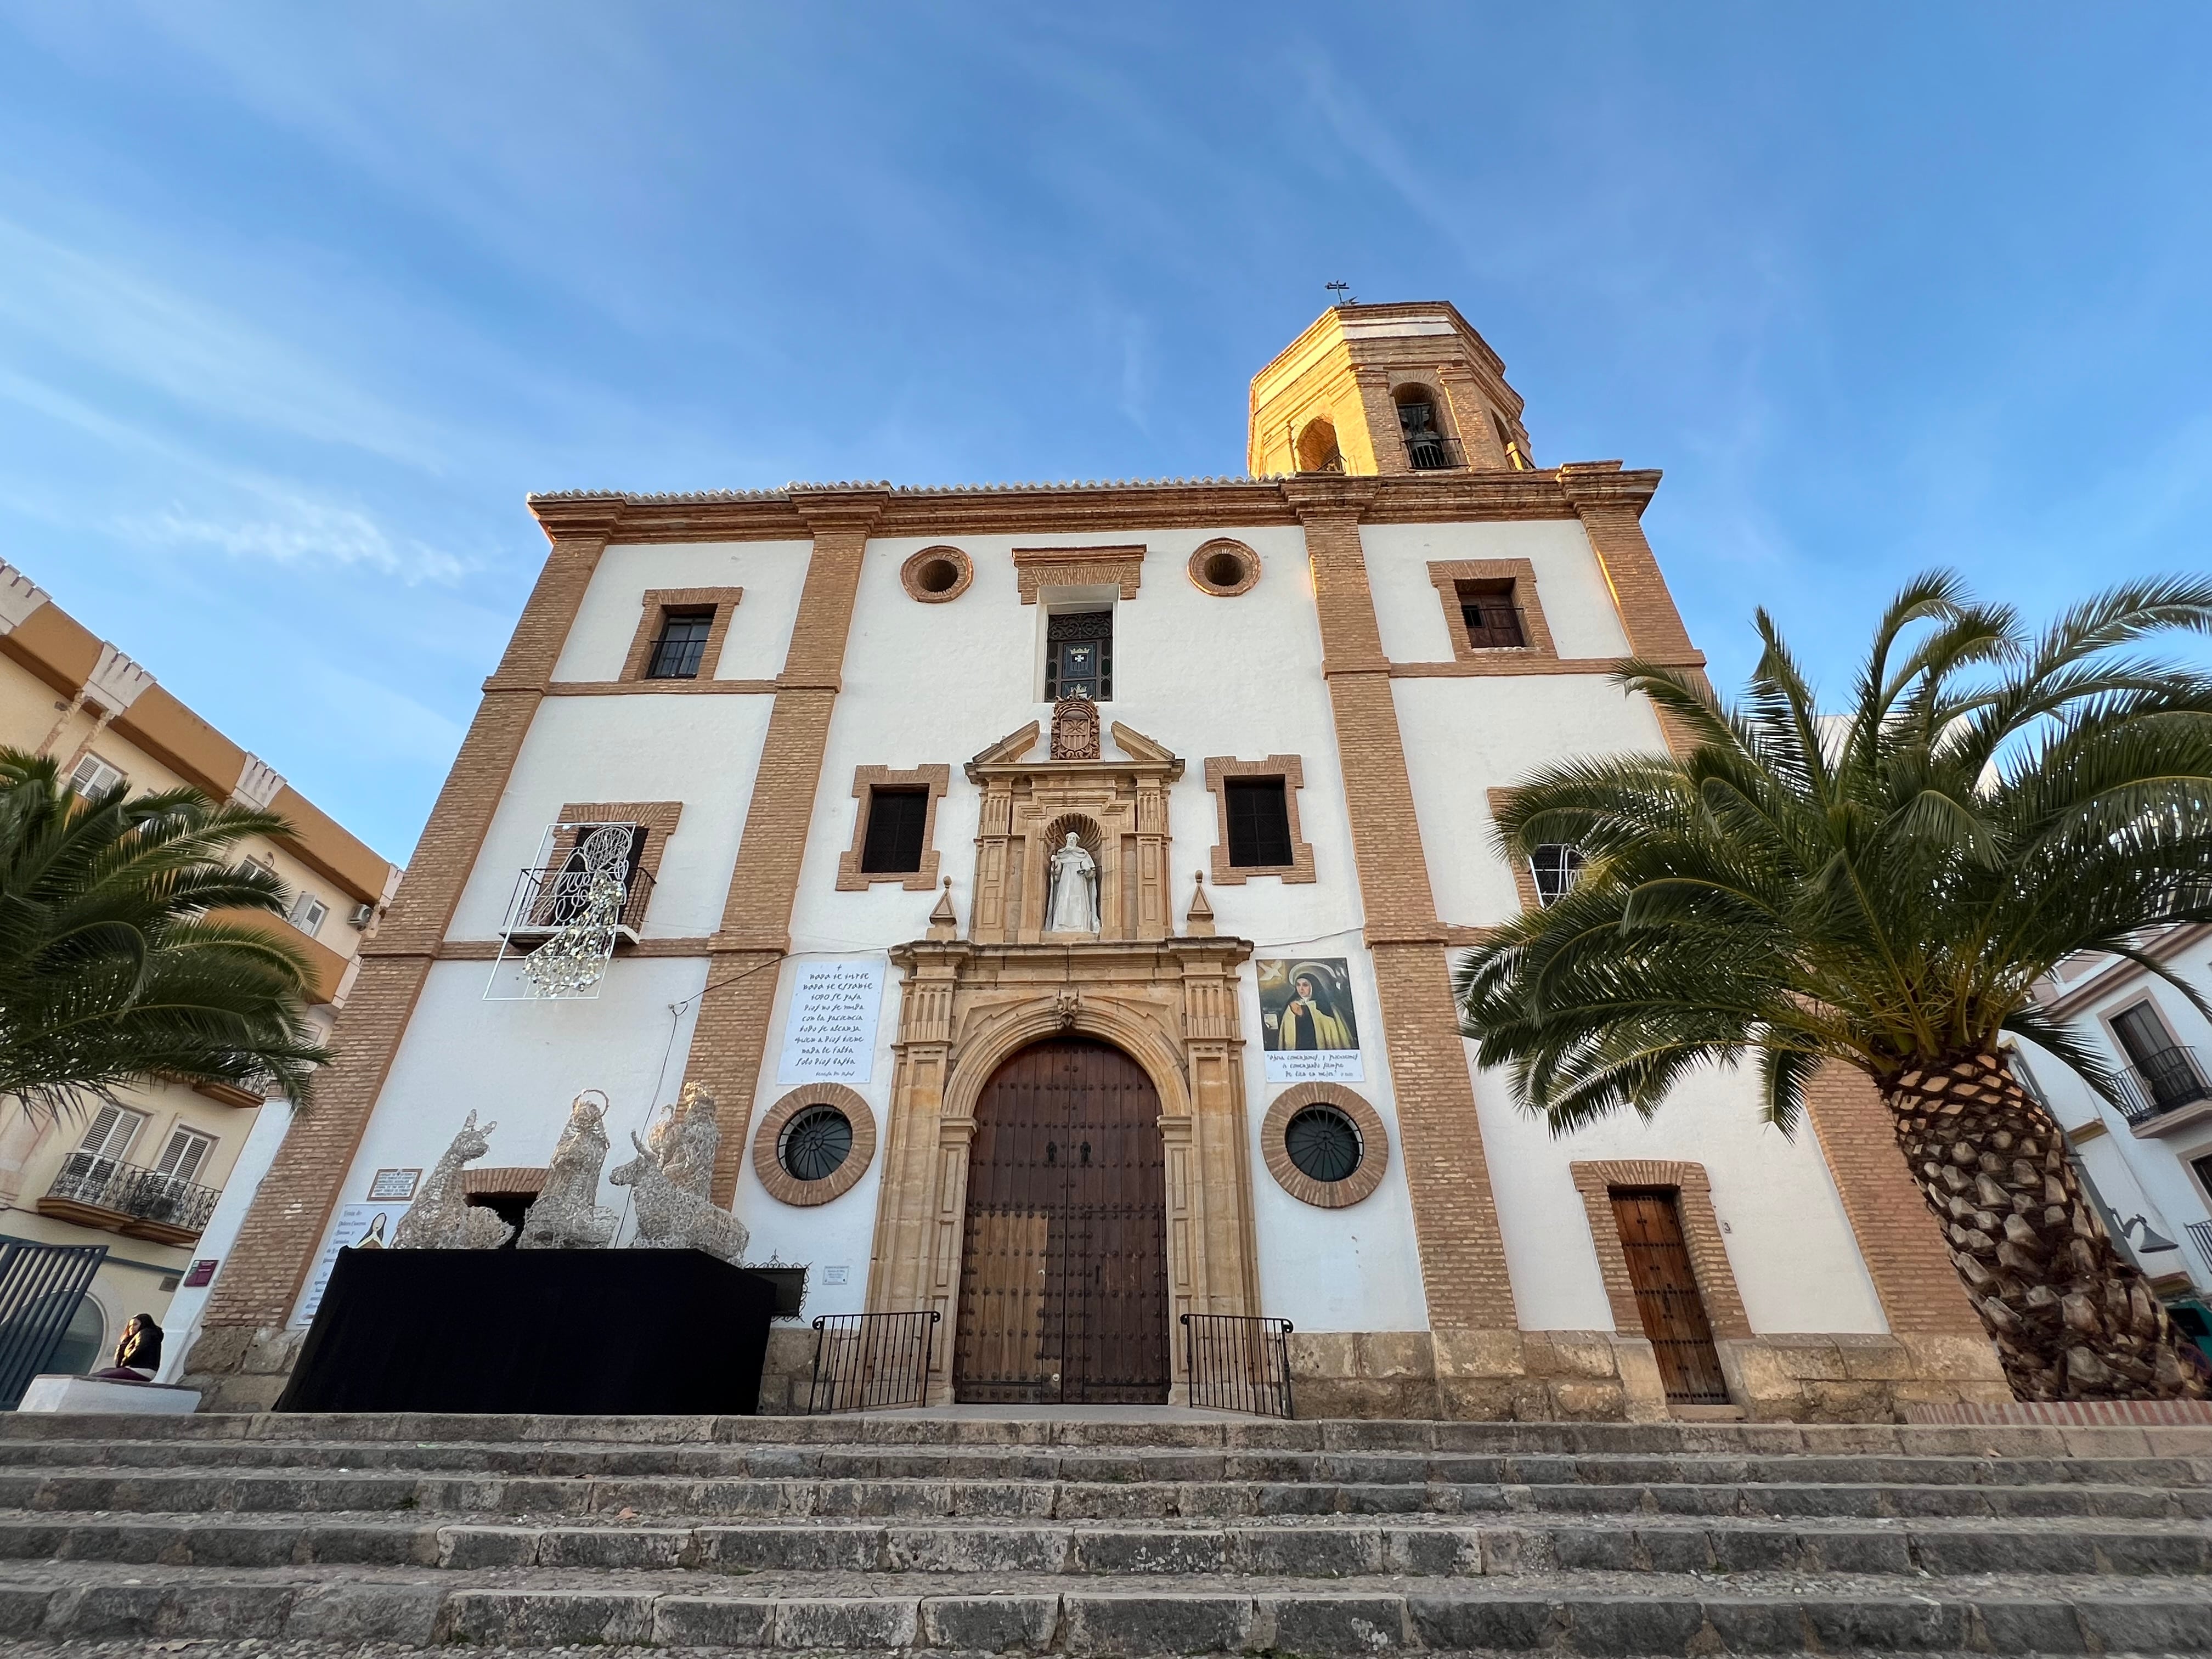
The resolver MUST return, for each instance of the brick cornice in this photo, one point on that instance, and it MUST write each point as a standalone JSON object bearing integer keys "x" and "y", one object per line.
{"x": 794, "y": 513}
{"x": 578, "y": 518}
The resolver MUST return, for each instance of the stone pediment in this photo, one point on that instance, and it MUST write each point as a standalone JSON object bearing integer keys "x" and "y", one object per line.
{"x": 1114, "y": 805}
{"x": 1011, "y": 754}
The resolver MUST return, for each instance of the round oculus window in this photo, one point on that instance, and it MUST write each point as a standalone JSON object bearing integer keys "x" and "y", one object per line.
{"x": 937, "y": 576}
{"x": 1323, "y": 1143}
{"x": 815, "y": 1144}
{"x": 1225, "y": 569}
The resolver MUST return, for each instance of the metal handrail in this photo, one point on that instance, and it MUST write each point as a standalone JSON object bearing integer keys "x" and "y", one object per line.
{"x": 2163, "y": 1082}
{"x": 876, "y": 1361}
{"x": 133, "y": 1190}
{"x": 1238, "y": 1363}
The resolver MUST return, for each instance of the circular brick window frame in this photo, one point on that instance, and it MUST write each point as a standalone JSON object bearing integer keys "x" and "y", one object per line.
{"x": 913, "y": 577}
{"x": 782, "y": 1184}
{"x": 1374, "y": 1146}
{"x": 1223, "y": 547}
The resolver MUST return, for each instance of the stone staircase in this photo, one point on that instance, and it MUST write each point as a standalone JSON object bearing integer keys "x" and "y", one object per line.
{"x": 1143, "y": 1535}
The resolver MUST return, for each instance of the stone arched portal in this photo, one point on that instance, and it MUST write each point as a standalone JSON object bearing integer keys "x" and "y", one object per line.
{"x": 1169, "y": 1005}
{"x": 1063, "y": 1278}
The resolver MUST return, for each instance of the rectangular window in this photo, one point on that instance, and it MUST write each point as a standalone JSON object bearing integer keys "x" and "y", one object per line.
{"x": 681, "y": 646}
{"x": 185, "y": 1155}
{"x": 93, "y": 776}
{"x": 1259, "y": 823}
{"x": 1487, "y": 610}
{"x": 308, "y": 914}
{"x": 1079, "y": 656}
{"x": 896, "y": 820}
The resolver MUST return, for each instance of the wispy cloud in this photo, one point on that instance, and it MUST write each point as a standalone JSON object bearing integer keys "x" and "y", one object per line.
{"x": 102, "y": 312}
{"x": 302, "y": 532}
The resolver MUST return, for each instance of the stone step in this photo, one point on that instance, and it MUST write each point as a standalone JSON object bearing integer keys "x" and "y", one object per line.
{"x": 847, "y": 1462}
{"x": 1324, "y": 1550}
{"x": 1657, "y": 1439}
{"x": 1586, "y": 1613}
{"x": 162, "y": 1491}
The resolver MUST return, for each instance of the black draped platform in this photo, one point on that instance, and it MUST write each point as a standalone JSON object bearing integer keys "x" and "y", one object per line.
{"x": 626, "y": 1333}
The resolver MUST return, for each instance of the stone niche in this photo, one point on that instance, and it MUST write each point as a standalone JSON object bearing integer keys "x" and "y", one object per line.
{"x": 1118, "y": 812}
{"x": 969, "y": 1005}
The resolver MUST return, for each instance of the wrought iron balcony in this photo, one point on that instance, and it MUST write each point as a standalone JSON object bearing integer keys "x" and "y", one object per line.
{"x": 129, "y": 1199}
{"x": 1431, "y": 452}
{"x": 549, "y": 899}
{"x": 2164, "y": 1083}
{"x": 2200, "y": 1234}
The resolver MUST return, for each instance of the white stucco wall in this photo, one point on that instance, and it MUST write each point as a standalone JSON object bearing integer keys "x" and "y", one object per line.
{"x": 701, "y": 750}
{"x": 1789, "y": 1241}
{"x": 520, "y": 1064}
{"x": 935, "y": 684}
{"x": 771, "y": 574}
{"x": 1570, "y": 585}
{"x": 1464, "y": 737}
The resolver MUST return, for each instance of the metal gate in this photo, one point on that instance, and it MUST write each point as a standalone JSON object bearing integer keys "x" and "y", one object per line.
{"x": 41, "y": 1285}
{"x": 1666, "y": 1295}
{"x": 1063, "y": 1278}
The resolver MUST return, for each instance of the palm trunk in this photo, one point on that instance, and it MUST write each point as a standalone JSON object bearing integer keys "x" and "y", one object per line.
{"x": 2071, "y": 1317}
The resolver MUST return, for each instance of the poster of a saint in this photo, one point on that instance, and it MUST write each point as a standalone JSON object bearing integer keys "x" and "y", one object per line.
{"x": 1308, "y": 1028}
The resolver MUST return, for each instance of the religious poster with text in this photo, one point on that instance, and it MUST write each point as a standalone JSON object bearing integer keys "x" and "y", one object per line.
{"x": 360, "y": 1227}
{"x": 1307, "y": 1028}
{"x": 829, "y": 1034}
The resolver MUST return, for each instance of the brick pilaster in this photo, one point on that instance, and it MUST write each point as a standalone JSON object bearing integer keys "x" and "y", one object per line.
{"x": 284, "y": 1225}
{"x": 731, "y": 1035}
{"x": 1611, "y": 503}
{"x": 1899, "y": 1237}
{"x": 1463, "y": 1271}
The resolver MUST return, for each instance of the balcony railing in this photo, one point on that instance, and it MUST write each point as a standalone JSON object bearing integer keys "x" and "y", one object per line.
{"x": 1238, "y": 1363}
{"x": 132, "y": 1199}
{"x": 549, "y": 899}
{"x": 2200, "y": 1234}
{"x": 2163, "y": 1082}
{"x": 1431, "y": 452}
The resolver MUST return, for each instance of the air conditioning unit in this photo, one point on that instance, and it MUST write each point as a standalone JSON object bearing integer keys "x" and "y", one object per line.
{"x": 363, "y": 915}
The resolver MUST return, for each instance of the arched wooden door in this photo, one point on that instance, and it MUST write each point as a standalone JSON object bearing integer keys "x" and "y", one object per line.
{"x": 1064, "y": 1273}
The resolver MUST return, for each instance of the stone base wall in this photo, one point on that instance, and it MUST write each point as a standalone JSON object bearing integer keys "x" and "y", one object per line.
{"x": 1597, "y": 1375}
{"x": 1484, "y": 1377}
{"x": 241, "y": 1370}
{"x": 787, "y": 1374}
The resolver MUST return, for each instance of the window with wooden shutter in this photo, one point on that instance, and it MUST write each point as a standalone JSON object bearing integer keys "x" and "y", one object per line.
{"x": 897, "y": 825}
{"x": 1259, "y": 823}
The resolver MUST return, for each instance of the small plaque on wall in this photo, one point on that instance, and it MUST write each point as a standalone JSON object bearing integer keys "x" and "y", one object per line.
{"x": 829, "y": 1034}
{"x": 394, "y": 1185}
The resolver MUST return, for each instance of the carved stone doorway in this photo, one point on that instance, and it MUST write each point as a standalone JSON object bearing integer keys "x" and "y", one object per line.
{"x": 1064, "y": 1274}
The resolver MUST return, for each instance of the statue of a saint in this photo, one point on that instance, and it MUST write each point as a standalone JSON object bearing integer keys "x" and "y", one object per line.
{"x": 1072, "y": 901}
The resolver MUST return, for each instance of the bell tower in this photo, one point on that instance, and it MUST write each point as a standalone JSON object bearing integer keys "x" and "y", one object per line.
{"x": 1400, "y": 388}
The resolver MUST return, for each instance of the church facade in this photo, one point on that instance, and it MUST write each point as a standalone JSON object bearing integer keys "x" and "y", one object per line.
{"x": 1056, "y": 889}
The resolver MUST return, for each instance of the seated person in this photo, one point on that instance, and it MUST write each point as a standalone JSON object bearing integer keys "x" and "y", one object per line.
{"x": 138, "y": 1356}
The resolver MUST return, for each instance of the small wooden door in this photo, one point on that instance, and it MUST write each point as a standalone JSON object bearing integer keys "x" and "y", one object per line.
{"x": 1666, "y": 1298}
{"x": 1063, "y": 1276}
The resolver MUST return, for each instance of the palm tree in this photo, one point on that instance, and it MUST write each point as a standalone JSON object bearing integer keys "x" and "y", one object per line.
{"x": 114, "y": 965}
{"x": 1883, "y": 889}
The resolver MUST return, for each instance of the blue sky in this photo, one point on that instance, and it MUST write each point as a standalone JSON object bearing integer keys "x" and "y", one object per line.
{"x": 296, "y": 303}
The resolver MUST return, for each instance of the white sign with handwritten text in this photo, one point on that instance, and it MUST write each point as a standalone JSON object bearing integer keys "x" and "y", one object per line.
{"x": 830, "y": 1036}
